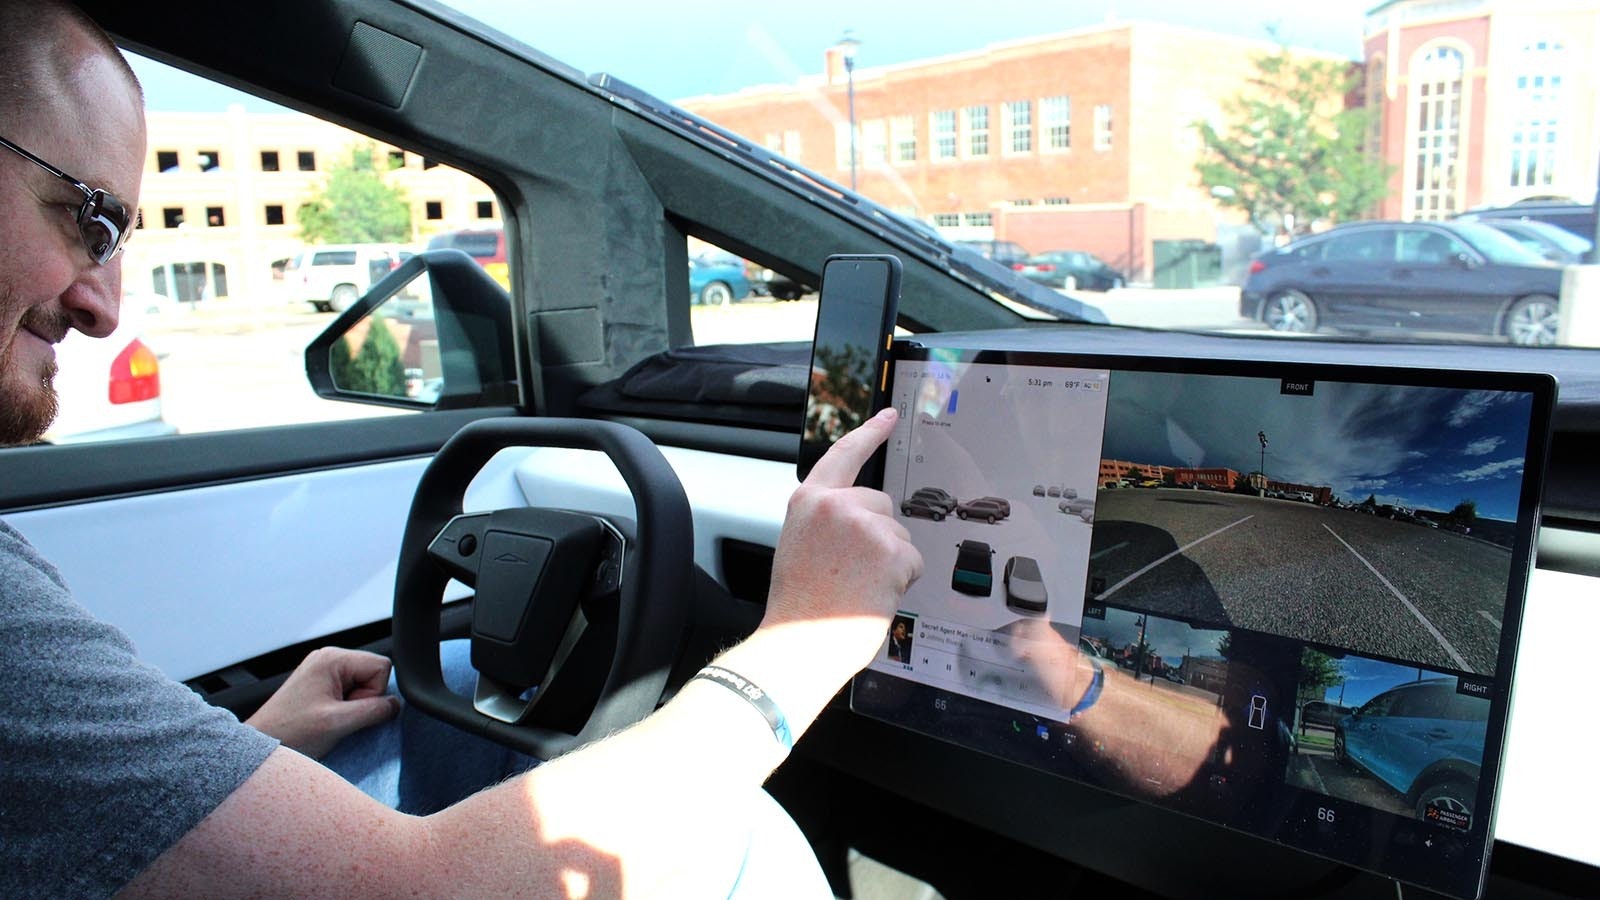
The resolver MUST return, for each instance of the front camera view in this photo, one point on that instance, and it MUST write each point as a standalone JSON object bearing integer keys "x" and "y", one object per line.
{"x": 1402, "y": 739}
{"x": 1227, "y": 595}
{"x": 1371, "y": 517}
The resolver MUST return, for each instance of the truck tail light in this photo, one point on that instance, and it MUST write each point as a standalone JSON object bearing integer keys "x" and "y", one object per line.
{"x": 1256, "y": 266}
{"x": 135, "y": 374}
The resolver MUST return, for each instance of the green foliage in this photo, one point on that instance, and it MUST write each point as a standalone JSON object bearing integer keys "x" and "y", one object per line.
{"x": 1466, "y": 512}
{"x": 841, "y": 383}
{"x": 1318, "y": 672}
{"x": 356, "y": 205}
{"x": 1292, "y": 148}
{"x": 375, "y": 368}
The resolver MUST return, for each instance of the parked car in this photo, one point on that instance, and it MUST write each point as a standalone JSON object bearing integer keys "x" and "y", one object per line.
{"x": 1082, "y": 507}
{"x": 974, "y": 570}
{"x": 985, "y": 508}
{"x": 935, "y": 499}
{"x": 1549, "y": 241}
{"x": 924, "y": 507}
{"x": 717, "y": 280}
{"x": 332, "y": 276}
{"x": 779, "y": 286}
{"x": 1025, "y": 591}
{"x": 1423, "y": 738}
{"x": 109, "y": 389}
{"x": 1449, "y": 277}
{"x": 1577, "y": 218}
{"x": 486, "y": 245}
{"x": 1072, "y": 270}
{"x": 1323, "y": 713}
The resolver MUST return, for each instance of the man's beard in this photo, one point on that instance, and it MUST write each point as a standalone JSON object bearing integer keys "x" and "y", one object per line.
{"x": 27, "y": 409}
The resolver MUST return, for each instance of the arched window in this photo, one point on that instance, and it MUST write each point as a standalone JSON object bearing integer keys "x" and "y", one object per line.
{"x": 1437, "y": 81}
{"x": 1538, "y": 114}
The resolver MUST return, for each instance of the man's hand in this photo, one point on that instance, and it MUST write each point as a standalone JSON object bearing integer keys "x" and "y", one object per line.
{"x": 334, "y": 693}
{"x": 843, "y": 561}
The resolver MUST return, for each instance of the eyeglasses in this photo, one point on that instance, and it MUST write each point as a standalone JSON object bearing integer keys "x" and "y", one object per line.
{"x": 103, "y": 220}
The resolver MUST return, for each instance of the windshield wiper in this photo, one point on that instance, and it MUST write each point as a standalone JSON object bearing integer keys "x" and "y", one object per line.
{"x": 910, "y": 235}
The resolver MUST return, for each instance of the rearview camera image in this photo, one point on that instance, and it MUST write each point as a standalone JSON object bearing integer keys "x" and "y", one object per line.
{"x": 1378, "y": 518}
{"x": 1401, "y": 739}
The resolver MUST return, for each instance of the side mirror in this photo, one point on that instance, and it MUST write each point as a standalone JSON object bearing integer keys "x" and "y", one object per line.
{"x": 1466, "y": 260}
{"x": 435, "y": 333}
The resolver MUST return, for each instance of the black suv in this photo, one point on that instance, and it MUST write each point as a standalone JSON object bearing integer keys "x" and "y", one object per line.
{"x": 1577, "y": 218}
{"x": 1450, "y": 277}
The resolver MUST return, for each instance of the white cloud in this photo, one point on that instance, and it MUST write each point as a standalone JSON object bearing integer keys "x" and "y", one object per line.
{"x": 1475, "y": 403}
{"x": 1491, "y": 470}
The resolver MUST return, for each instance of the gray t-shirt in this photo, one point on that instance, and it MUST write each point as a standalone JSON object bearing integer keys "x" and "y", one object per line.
{"x": 104, "y": 761}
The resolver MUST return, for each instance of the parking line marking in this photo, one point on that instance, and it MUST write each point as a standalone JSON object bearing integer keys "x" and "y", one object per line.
{"x": 1492, "y": 620}
{"x": 1402, "y": 598}
{"x": 1124, "y": 582}
{"x": 1111, "y": 549}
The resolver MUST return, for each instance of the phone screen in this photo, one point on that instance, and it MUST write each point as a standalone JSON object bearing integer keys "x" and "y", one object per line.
{"x": 855, "y": 320}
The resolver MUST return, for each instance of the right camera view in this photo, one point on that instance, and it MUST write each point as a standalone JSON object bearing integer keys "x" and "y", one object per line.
{"x": 1379, "y": 519}
{"x": 1398, "y": 738}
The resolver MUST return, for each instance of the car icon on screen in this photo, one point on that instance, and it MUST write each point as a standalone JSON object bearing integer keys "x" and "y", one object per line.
{"x": 1024, "y": 585}
{"x": 974, "y": 573}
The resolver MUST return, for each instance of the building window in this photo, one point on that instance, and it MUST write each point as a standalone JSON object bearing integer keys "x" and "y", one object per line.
{"x": 171, "y": 216}
{"x": 307, "y": 160}
{"x": 942, "y": 128}
{"x": 1536, "y": 128}
{"x": 433, "y": 210}
{"x": 214, "y": 217}
{"x": 773, "y": 142}
{"x": 979, "y": 220}
{"x": 1377, "y": 94}
{"x": 1057, "y": 201}
{"x": 1437, "y": 79}
{"x": 485, "y": 209}
{"x": 1018, "y": 117}
{"x": 841, "y": 145}
{"x": 1055, "y": 118}
{"x": 875, "y": 141}
{"x": 269, "y": 160}
{"x": 946, "y": 220}
{"x": 977, "y": 122}
{"x": 210, "y": 160}
{"x": 138, "y": 219}
{"x": 1102, "y": 126}
{"x": 274, "y": 214}
{"x": 429, "y": 163}
{"x": 397, "y": 159}
{"x": 791, "y": 143}
{"x": 1025, "y": 201}
{"x": 903, "y": 134}
{"x": 166, "y": 160}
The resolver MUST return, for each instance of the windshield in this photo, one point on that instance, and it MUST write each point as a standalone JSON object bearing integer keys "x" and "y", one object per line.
{"x": 1177, "y": 142}
{"x": 1500, "y": 247}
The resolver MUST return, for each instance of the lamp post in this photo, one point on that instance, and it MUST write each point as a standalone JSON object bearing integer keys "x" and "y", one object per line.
{"x": 847, "y": 50}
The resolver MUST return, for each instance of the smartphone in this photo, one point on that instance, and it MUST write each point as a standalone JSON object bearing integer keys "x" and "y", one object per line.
{"x": 856, "y": 310}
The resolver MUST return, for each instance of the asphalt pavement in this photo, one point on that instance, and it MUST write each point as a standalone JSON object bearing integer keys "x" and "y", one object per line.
{"x": 1332, "y": 576}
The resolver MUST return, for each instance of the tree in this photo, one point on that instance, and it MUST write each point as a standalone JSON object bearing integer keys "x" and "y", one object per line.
{"x": 1466, "y": 512}
{"x": 356, "y": 205}
{"x": 1293, "y": 148}
{"x": 375, "y": 368}
{"x": 1318, "y": 672}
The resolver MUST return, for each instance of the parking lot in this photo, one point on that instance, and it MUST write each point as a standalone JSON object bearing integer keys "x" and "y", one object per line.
{"x": 1328, "y": 575}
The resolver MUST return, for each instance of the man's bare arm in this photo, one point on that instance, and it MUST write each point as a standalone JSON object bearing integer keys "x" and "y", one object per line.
{"x": 656, "y": 810}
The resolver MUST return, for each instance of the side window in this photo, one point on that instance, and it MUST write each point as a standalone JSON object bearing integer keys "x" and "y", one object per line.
{"x": 1429, "y": 248}
{"x": 1363, "y": 246}
{"x": 737, "y": 301}
{"x": 234, "y": 274}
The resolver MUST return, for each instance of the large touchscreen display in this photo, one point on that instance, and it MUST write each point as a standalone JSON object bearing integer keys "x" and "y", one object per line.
{"x": 1282, "y": 599}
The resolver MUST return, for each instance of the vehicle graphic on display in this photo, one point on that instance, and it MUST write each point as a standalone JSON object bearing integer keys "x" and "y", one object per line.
{"x": 929, "y": 502}
{"x": 987, "y": 509}
{"x": 974, "y": 570}
{"x": 1025, "y": 591}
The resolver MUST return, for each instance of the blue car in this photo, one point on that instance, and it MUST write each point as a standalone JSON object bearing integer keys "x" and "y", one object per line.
{"x": 717, "y": 280}
{"x": 1425, "y": 740}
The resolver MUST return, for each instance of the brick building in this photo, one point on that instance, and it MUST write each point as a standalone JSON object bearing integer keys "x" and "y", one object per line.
{"x": 1484, "y": 101}
{"x": 1082, "y": 140}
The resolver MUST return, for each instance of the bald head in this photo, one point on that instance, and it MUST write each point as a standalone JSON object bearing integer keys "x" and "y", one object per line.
{"x": 47, "y": 48}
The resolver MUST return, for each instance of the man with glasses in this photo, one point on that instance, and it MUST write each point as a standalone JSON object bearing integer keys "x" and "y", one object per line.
{"x": 115, "y": 778}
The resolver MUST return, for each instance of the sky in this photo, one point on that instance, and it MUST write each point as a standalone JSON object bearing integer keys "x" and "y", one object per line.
{"x": 1172, "y": 640}
{"x": 1425, "y": 448}
{"x": 679, "y": 50}
{"x": 1367, "y": 678}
